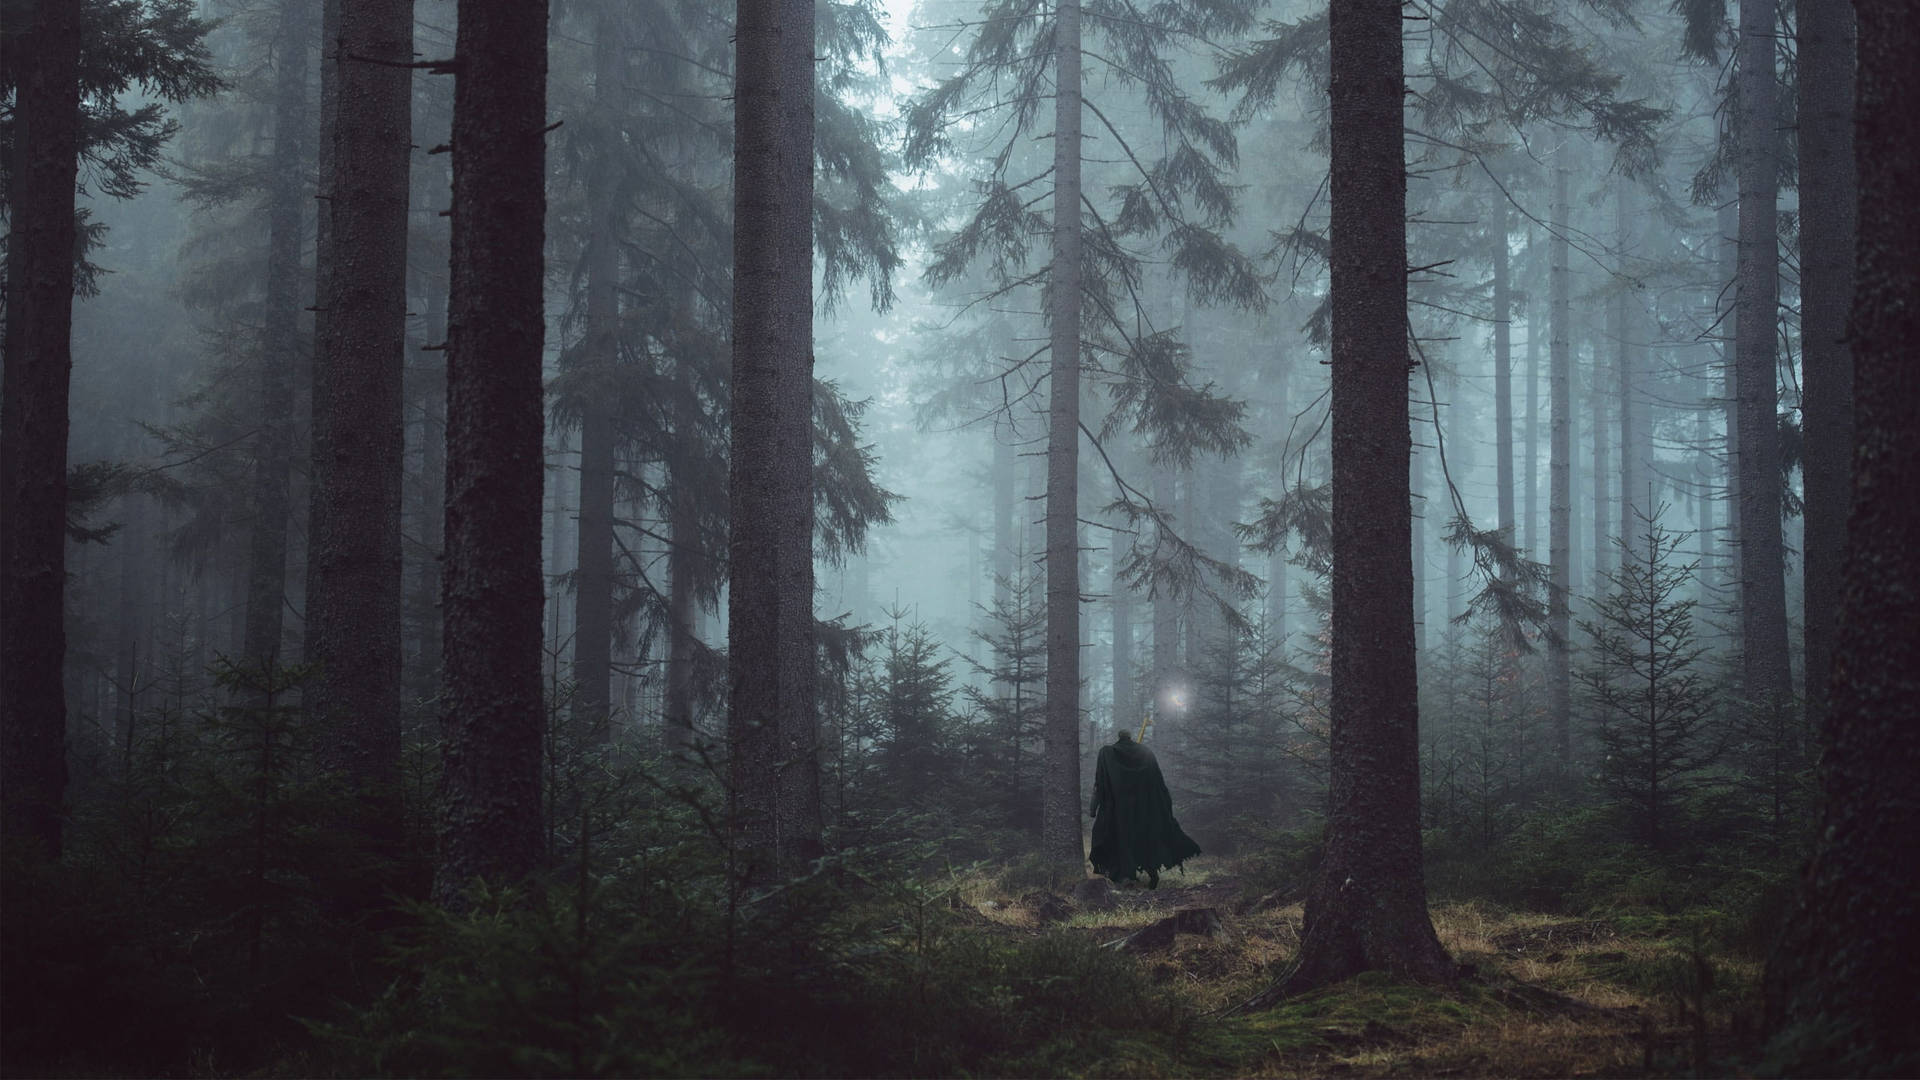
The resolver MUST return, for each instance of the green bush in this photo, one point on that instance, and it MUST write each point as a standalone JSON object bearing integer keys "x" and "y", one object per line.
{"x": 198, "y": 904}
{"x": 548, "y": 984}
{"x": 643, "y": 973}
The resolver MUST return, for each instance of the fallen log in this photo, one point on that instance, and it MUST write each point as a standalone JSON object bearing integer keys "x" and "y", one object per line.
{"x": 1159, "y": 935}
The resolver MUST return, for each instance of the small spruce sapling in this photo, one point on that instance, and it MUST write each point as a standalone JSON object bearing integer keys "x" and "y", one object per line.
{"x": 1653, "y": 709}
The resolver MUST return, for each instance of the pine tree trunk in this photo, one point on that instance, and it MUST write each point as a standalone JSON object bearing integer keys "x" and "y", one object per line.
{"x": 1082, "y": 712}
{"x": 1622, "y": 371}
{"x": 860, "y": 590}
{"x": 1629, "y": 359}
{"x": 1060, "y": 807}
{"x": 1728, "y": 221}
{"x": 134, "y": 628}
{"x": 318, "y": 420}
{"x": 1531, "y": 506}
{"x": 560, "y": 539}
{"x": 1166, "y": 610}
{"x": 1126, "y": 709}
{"x": 1366, "y": 908}
{"x": 493, "y": 717}
{"x": 1005, "y": 530}
{"x": 353, "y": 562}
{"x": 1227, "y": 491}
{"x": 1560, "y": 480}
{"x": 1706, "y": 474}
{"x": 1460, "y": 460}
{"x": 433, "y": 480}
{"x": 593, "y": 583}
{"x": 1828, "y": 199}
{"x": 1192, "y": 514}
{"x": 1841, "y": 984}
{"x": 280, "y": 342}
{"x": 1417, "y": 541}
{"x": 1277, "y": 562}
{"x": 1601, "y": 473}
{"x": 683, "y": 560}
{"x": 1502, "y": 367}
{"x": 1763, "y": 607}
{"x": 774, "y": 768}
{"x": 1222, "y": 484}
{"x": 44, "y": 55}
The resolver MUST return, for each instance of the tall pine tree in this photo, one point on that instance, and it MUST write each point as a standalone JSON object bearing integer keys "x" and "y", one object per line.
{"x": 493, "y": 717}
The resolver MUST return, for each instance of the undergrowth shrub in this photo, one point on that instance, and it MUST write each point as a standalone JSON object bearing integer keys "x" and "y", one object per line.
{"x": 196, "y": 909}
{"x": 648, "y": 969}
{"x": 1280, "y": 860}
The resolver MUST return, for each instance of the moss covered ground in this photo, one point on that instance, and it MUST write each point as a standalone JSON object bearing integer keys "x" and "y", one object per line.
{"x": 1624, "y": 994}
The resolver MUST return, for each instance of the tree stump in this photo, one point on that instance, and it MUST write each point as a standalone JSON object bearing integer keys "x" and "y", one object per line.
{"x": 1046, "y": 907}
{"x": 1094, "y": 894}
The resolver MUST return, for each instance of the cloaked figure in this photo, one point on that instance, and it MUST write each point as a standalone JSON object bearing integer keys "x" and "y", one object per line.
{"x": 1133, "y": 825}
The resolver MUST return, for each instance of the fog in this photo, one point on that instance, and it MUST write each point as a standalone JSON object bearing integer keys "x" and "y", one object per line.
{"x": 159, "y": 368}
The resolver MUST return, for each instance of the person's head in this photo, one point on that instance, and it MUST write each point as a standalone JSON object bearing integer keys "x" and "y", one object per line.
{"x": 1121, "y": 734}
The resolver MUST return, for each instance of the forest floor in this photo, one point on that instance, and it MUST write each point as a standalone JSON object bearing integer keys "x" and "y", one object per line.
{"x": 1627, "y": 994}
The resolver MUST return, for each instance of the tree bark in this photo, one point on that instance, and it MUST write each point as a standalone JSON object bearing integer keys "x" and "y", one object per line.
{"x": 493, "y": 718}
{"x": 1417, "y": 541}
{"x": 1502, "y": 367}
{"x": 685, "y": 555}
{"x": 1728, "y": 223}
{"x": 1622, "y": 369}
{"x": 1005, "y": 529}
{"x": 1531, "y": 504}
{"x": 683, "y": 558}
{"x": 280, "y": 342}
{"x": 1828, "y": 200}
{"x": 1166, "y": 610}
{"x": 1559, "y": 478}
{"x": 1366, "y": 908}
{"x": 316, "y": 372}
{"x": 1225, "y": 489}
{"x": 433, "y": 479}
{"x": 1126, "y": 709}
{"x": 134, "y": 628}
{"x": 1705, "y": 473}
{"x": 774, "y": 768}
{"x": 1630, "y": 354}
{"x": 1601, "y": 474}
{"x": 1192, "y": 514}
{"x": 1841, "y": 984}
{"x": 1060, "y": 808}
{"x": 1282, "y": 421}
{"x": 593, "y": 580}
{"x": 45, "y": 58}
{"x": 560, "y": 539}
{"x": 1763, "y": 600}
{"x": 354, "y": 579}
{"x": 1460, "y": 461}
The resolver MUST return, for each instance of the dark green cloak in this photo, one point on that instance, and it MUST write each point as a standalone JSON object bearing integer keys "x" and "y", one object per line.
{"x": 1133, "y": 825}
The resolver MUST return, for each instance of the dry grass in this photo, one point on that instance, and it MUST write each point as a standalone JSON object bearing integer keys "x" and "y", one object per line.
{"x": 1120, "y": 920}
{"x": 1552, "y": 996}
{"x": 1513, "y": 1046}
